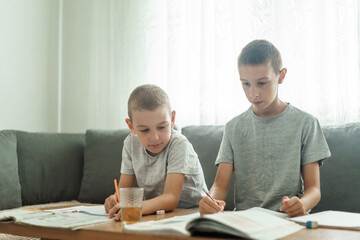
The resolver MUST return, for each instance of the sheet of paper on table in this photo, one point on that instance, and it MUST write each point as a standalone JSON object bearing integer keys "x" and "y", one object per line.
{"x": 333, "y": 219}
{"x": 68, "y": 218}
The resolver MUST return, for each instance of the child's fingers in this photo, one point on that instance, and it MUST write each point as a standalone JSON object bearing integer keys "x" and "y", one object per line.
{"x": 113, "y": 210}
{"x": 218, "y": 205}
{"x": 221, "y": 203}
{"x": 296, "y": 210}
{"x": 296, "y": 207}
{"x": 285, "y": 199}
{"x": 107, "y": 204}
{"x": 113, "y": 200}
{"x": 286, "y": 203}
{"x": 293, "y": 207}
{"x": 110, "y": 202}
{"x": 293, "y": 201}
{"x": 208, "y": 206}
{"x": 118, "y": 216}
{"x": 212, "y": 205}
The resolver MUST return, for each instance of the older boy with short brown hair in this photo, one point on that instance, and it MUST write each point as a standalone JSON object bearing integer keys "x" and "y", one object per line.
{"x": 273, "y": 149}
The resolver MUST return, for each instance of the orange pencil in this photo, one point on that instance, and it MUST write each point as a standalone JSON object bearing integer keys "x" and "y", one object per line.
{"x": 117, "y": 190}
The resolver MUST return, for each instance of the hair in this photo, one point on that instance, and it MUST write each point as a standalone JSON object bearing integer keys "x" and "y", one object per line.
{"x": 147, "y": 97}
{"x": 259, "y": 52}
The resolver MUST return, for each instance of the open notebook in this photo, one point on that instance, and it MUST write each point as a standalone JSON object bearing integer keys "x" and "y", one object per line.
{"x": 255, "y": 223}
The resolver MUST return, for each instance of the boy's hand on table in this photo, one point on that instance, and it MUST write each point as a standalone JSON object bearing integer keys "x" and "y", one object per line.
{"x": 293, "y": 206}
{"x": 208, "y": 206}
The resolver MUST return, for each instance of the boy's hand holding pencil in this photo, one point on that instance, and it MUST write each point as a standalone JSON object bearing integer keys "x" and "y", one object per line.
{"x": 209, "y": 205}
{"x": 111, "y": 203}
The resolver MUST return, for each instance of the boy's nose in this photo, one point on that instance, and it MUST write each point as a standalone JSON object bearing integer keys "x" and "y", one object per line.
{"x": 254, "y": 92}
{"x": 154, "y": 136}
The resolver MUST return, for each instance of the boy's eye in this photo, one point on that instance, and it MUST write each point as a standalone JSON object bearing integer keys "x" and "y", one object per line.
{"x": 262, "y": 83}
{"x": 144, "y": 130}
{"x": 162, "y": 127}
{"x": 245, "y": 83}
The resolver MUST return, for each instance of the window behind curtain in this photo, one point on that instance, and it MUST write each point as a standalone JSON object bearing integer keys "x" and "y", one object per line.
{"x": 190, "y": 47}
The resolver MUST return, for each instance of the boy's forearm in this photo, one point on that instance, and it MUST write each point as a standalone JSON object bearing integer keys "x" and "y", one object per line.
{"x": 219, "y": 189}
{"x": 165, "y": 202}
{"x": 311, "y": 198}
{"x": 312, "y": 193}
{"x": 218, "y": 192}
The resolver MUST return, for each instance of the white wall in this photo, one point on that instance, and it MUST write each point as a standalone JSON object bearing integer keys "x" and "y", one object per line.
{"x": 28, "y": 64}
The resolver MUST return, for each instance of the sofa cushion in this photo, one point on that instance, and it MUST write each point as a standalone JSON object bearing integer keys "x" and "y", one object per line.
{"x": 50, "y": 166}
{"x": 102, "y": 161}
{"x": 206, "y": 141}
{"x": 340, "y": 174}
{"x": 10, "y": 190}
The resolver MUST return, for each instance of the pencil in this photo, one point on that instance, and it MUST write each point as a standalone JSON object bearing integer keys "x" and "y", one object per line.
{"x": 207, "y": 194}
{"x": 116, "y": 190}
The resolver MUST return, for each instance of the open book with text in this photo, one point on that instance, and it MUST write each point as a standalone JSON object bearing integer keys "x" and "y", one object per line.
{"x": 254, "y": 223}
{"x": 68, "y": 218}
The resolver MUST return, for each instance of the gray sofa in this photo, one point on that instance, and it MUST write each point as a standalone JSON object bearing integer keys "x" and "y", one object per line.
{"x": 41, "y": 168}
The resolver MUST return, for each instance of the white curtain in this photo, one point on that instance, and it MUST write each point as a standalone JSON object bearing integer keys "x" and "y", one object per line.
{"x": 189, "y": 48}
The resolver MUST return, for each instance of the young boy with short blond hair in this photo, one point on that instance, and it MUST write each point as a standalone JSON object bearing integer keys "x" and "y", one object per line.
{"x": 273, "y": 149}
{"x": 156, "y": 157}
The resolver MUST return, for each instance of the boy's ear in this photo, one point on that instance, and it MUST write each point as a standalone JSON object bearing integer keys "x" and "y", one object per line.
{"x": 173, "y": 114}
{"x": 282, "y": 75}
{"x": 128, "y": 122}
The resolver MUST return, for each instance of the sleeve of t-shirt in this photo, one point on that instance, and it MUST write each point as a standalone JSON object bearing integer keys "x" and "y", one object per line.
{"x": 182, "y": 158}
{"x": 225, "y": 154}
{"x": 126, "y": 162}
{"x": 314, "y": 146}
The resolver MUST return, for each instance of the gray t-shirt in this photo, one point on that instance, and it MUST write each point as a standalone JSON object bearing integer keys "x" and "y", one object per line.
{"x": 268, "y": 154}
{"x": 150, "y": 172}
